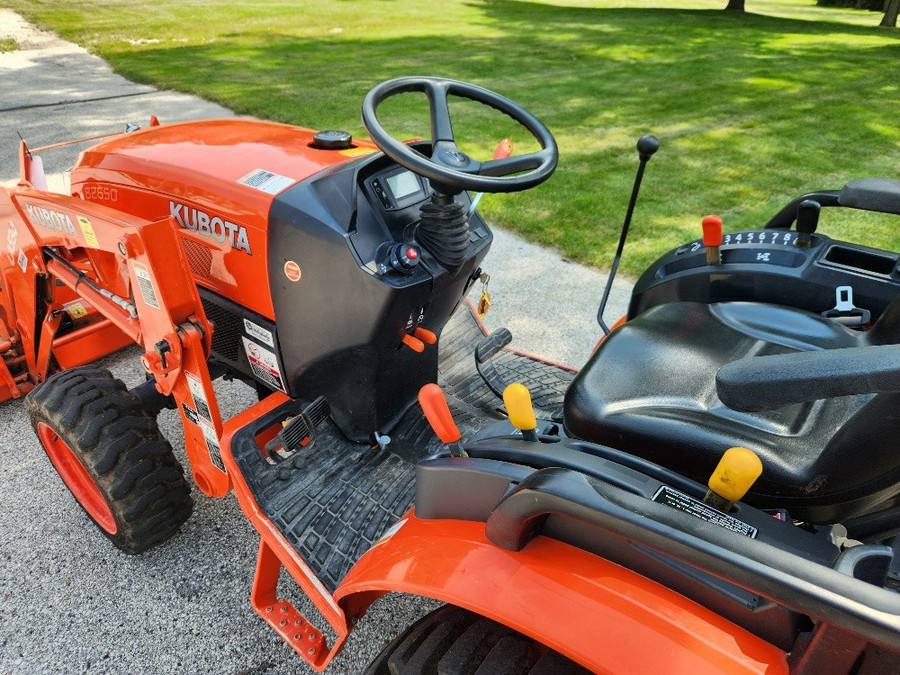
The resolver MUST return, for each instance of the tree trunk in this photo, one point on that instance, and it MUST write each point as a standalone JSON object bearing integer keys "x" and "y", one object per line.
{"x": 737, "y": 5}
{"x": 891, "y": 9}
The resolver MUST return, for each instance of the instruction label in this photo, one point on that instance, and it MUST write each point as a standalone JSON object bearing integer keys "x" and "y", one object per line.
{"x": 145, "y": 285}
{"x": 196, "y": 387}
{"x": 203, "y": 418}
{"x": 264, "y": 364}
{"x": 266, "y": 181}
{"x": 258, "y": 332}
{"x": 90, "y": 238}
{"x": 695, "y": 507}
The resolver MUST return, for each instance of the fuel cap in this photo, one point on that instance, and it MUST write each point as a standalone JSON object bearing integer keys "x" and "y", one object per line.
{"x": 332, "y": 139}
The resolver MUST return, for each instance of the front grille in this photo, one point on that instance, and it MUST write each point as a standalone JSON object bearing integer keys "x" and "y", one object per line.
{"x": 227, "y": 330}
{"x": 199, "y": 258}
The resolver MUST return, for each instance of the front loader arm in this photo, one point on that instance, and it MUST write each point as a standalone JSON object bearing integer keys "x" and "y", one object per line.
{"x": 150, "y": 296}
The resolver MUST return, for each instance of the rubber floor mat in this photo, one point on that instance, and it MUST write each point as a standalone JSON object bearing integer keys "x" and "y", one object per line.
{"x": 334, "y": 501}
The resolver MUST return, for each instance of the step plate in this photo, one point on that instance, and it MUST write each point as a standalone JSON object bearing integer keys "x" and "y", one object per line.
{"x": 335, "y": 499}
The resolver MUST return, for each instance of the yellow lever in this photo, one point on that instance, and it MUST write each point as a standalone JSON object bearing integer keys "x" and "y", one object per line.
{"x": 734, "y": 476}
{"x": 517, "y": 399}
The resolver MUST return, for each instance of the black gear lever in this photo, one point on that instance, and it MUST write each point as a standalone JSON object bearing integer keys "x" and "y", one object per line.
{"x": 807, "y": 222}
{"x": 646, "y": 147}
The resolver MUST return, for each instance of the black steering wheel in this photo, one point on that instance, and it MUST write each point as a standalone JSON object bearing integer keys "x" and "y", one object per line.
{"x": 449, "y": 169}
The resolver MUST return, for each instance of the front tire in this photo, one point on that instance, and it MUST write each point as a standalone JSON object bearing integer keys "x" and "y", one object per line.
{"x": 111, "y": 455}
{"x": 455, "y": 641}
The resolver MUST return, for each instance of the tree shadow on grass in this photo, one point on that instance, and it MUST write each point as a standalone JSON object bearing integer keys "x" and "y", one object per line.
{"x": 750, "y": 110}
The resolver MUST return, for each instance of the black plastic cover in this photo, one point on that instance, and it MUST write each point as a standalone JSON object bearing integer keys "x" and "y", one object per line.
{"x": 872, "y": 194}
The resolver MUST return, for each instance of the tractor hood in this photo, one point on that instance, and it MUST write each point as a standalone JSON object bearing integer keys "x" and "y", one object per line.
{"x": 218, "y": 180}
{"x": 213, "y": 154}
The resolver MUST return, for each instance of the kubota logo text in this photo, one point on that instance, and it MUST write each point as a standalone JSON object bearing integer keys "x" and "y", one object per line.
{"x": 53, "y": 220}
{"x": 214, "y": 227}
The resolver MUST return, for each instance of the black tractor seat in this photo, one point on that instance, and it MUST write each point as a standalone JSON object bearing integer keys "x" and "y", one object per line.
{"x": 650, "y": 389}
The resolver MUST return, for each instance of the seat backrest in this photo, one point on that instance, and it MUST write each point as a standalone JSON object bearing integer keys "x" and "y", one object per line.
{"x": 886, "y": 330}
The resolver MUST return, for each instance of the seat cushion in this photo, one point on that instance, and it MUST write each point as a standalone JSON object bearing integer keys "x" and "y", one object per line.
{"x": 650, "y": 390}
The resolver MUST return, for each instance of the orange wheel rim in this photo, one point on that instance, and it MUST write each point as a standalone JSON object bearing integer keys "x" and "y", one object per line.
{"x": 77, "y": 479}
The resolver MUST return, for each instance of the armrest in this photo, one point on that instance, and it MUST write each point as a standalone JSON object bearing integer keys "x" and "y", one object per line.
{"x": 766, "y": 382}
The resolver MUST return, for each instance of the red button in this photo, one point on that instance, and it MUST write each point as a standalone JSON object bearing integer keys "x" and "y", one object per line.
{"x": 412, "y": 253}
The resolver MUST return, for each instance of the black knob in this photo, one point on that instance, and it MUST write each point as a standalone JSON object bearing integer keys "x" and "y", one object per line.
{"x": 807, "y": 221}
{"x": 647, "y": 146}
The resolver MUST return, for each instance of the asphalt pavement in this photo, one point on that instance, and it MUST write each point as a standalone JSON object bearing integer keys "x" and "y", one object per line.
{"x": 69, "y": 601}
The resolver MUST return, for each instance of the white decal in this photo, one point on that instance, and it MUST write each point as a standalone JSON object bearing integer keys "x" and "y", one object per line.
{"x": 266, "y": 181}
{"x": 12, "y": 238}
{"x": 23, "y": 261}
{"x": 762, "y": 257}
{"x": 196, "y": 387}
{"x": 52, "y": 220}
{"x": 260, "y": 333}
{"x": 145, "y": 284}
{"x": 264, "y": 364}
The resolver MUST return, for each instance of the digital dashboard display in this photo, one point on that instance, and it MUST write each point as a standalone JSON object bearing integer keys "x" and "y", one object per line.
{"x": 403, "y": 184}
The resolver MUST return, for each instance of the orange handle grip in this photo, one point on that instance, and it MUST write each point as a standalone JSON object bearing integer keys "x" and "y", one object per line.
{"x": 437, "y": 412}
{"x": 712, "y": 231}
{"x": 504, "y": 149}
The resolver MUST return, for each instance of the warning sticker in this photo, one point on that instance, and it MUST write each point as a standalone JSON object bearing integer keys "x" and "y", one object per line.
{"x": 292, "y": 271}
{"x": 145, "y": 284}
{"x": 23, "y": 261}
{"x": 88, "y": 230}
{"x": 190, "y": 413}
{"x": 212, "y": 444}
{"x": 264, "y": 364}
{"x": 695, "y": 507}
{"x": 260, "y": 333}
{"x": 75, "y": 309}
{"x": 196, "y": 387}
{"x": 266, "y": 181}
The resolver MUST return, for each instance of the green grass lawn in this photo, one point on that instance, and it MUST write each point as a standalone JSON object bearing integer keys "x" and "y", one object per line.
{"x": 751, "y": 110}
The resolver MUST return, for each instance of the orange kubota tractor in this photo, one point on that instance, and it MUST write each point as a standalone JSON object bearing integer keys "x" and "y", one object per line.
{"x": 601, "y": 528}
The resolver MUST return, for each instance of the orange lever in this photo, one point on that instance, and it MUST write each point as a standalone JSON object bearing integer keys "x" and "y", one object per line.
{"x": 712, "y": 239}
{"x": 434, "y": 405}
{"x": 413, "y": 343}
{"x": 504, "y": 149}
{"x": 425, "y": 336}
{"x": 712, "y": 231}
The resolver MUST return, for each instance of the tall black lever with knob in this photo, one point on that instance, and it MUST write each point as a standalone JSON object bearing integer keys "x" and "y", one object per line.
{"x": 646, "y": 147}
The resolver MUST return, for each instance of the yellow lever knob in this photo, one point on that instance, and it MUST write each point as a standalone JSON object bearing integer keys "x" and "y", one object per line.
{"x": 735, "y": 474}
{"x": 518, "y": 404}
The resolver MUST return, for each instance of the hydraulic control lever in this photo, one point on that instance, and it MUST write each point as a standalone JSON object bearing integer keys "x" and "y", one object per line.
{"x": 712, "y": 239}
{"x": 646, "y": 147}
{"x": 517, "y": 399}
{"x": 437, "y": 412}
{"x": 733, "y": 477}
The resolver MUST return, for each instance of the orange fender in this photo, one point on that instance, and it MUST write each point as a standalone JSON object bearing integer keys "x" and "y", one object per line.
{"x": 595, "y": 612}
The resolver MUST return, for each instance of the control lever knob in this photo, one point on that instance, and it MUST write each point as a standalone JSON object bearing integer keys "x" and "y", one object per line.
{"x": 733, "y": 477}
{"x": 807, "y": 222}
{"x": 517, "y": 399}
{"x": 712, "y": 239}
{"x": 437, "y": 412}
